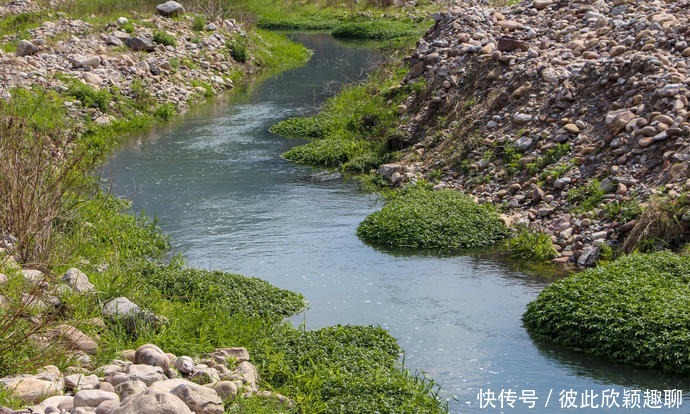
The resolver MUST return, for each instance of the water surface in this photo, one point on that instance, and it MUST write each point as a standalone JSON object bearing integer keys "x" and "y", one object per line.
{"x": 215, "y": 181}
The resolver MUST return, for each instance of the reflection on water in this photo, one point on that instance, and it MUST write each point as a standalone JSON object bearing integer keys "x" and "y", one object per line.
{"x": 217, "y": 184}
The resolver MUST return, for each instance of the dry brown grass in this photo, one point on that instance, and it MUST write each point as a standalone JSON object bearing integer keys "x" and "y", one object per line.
{"x": 659, "y": 226}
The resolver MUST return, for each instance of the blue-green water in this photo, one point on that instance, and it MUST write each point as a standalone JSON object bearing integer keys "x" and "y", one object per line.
{"x": 215, "y": 181}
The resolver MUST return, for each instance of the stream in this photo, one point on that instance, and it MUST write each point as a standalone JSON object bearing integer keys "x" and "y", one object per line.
{"x": 215, "y": 180}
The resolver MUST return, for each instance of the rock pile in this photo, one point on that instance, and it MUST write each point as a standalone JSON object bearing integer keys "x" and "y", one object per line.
{"x": 146, "y": 380}
{"x": 525, "y": 104}
{"x": 197, "y": 63}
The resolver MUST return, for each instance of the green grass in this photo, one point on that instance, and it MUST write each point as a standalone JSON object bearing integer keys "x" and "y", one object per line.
{"x": 421, "y": 218}
{"x": 633, "y": 310}
{"x": 163, "y": 38}
{"x": 375, "y": 30}
{"x": 530, "y": 245}
{"x": 351, "y": 130}
{"x": 586, "y": 197}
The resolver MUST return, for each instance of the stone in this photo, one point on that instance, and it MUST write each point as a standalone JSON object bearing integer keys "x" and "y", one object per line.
{"x": 3, "y": 278}
{"x": 562, "y": 182}
{"x": 588, "y": 257}
{"x": 148, "y": 374}
{"x": 140, "y": 43}
{"x": 33, "y": 275}
{"x": 226, "y": 390}
{"x": 523, "y": 143}
{"x": 75, "y": 339}
{"x": 86, "y": 62}
{"x": 185, "y": 365}
{"x": 59, "y": 402}
{"x": 170, "y": 9}
{"x": 92, "y": 398}
{"x": 541, "y": 4}
{"x": 107, "y": 407}
{"x": 387, "y": 170}
{"x": 521, "y": 118}
{"x": 26, "y": 48}
{"x": 152, "y": 403}
{"x": 248, "y": 374}
{"x": 150, "y": 354}
{"x": 77, "y": 280}
{"x": 205, "y": 375}
{"x": 571, "y": 128}
{"x": 32, "y": 390}
{"x": 617, "y": 120}
{"x": 81, "y": 382}
{"x": 201, "y": 400}
{"x": 238, "y": 354}
{"x": 121, "y": 307}
{"x": 111, "y": 40}
{"x": 129, "y": 388}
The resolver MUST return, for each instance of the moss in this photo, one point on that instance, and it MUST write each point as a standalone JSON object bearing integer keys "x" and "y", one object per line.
{"x": 421, "y": 218}
{"x": 634, "y": 310}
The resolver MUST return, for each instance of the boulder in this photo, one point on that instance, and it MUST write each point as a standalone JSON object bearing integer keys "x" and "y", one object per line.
{"x": 75, "y": 339}
{"x": 86, "y": 62}
{"x": 150, "y": 354}
{"x": 170, "y": 9}
{"x": 185, "y": 365}
{"x": 107, "y": 407}
{"x": 77, "y": 280}
{"x": 226, "y": 390}
{"x": 93, "y": 398}
{"x": 26, "y": 48}
{"x": 152, "y": 403}
{"x": 81, "y": 382}
{"x": 140, "y": 43}
{"x": 617, "y": 120}
{"x": 129, "y": 388}
{"x": 201, "y": 400}
{"x": 148, "y": 374}
{"x": 31, "y": 389}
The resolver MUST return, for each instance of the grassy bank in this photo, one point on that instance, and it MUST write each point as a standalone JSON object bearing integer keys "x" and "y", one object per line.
{"x": 349, "y": 369}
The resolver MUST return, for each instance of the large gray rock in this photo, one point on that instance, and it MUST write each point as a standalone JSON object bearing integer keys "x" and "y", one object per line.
{"x": 129, "y": 388}
{"x": 121, "y": 307}
{"x": 153, "y": 403}
{"x": 139, "y": 43}
{"x": 150, "y": 354}
{"x": 201, "y": 400}
{"x": 81, "y": 382}
{"x": 170, "y": 9}
{"x": 75, "y": 339}
{"x": 93, "y": 398}
{"x": 58, "y": 402}
{"x": 31, "y": 389}
{"x": 86, "y": 62}
{"x": 148, "y": 374}
{"x": 185, "y": 365}
{"x": 26, "y": 48}
{"x": 77, "y": 280}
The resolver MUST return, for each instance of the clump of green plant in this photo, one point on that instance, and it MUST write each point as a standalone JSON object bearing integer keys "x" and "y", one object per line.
{"x": 552, "y": 156}
{"x": 198, "y": 23}
{"x": 632, "y": 310}
{"x": 660, "y": 226}
{"x": 165, "y": 111}
{"x": 345, "y": 369}
{"x": 421, "y": 218}
{"x": 128, "y": 27}
{"x": 238, "y": 48}
{"x": 317, "y": 126}
{"x": 624, "y": 210}
{"x": 89, "y": 96}
{"x": 237, "y": 294}
{"x": 586, "y": 197}
{"x": 162, "y": 38}
{"x": 530, "y": 245}
{"x": 374, "y": 29}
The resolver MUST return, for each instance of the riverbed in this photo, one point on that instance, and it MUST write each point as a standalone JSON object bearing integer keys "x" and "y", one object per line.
{"x": 216, "y": 183}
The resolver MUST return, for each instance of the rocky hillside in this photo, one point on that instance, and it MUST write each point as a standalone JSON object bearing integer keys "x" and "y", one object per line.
{"x": 568, "y": 114}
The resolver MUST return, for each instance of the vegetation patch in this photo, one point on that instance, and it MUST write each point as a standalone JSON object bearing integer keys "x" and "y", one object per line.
{"x": 421, "y": 218}
{"x": 634, "y": 310}
{"x": 374, "y": 29}
{"x": 530, "y": 245}
{"x": 236, "y": 293}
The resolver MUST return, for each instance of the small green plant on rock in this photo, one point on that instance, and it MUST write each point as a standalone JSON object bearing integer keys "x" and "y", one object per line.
{"x": 421, "y": 218}
{"x": 238, "y": 48}
{"x": 163, "y": 38}
{"x": 530, "y": 245}
{"x": 198, "y": 23}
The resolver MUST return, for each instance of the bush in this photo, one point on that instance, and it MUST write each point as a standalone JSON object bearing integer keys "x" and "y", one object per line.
{"x": 312, "y": 127}
{"x": 661, "y": 226}
{"x": 530, "y": 245}
{"x": 238, "y": 48}
{"x": 89, "y": 96}
{"x": 421, "y": 218}
{"x": 634, "y": 310}
{"x": 163, "y": 38}
{"x": 199, "y": 23}
{"x": 165, "y": 111}
{"x": 235, "y": 293}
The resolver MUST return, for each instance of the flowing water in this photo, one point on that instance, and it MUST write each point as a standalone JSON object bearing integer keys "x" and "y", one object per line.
{"x": 215, "y": 181}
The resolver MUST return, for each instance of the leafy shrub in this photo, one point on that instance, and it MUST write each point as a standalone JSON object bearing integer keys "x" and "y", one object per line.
{"x": 163, "y": 38}
{"x": 238, "y": 48}
{"x": 198, "y": 24}
{"x": 634, "y": 310}
{"x": 329, "y": 152}
{"x": 530, "y": 245}
{"x": 586, "y": 197}
{"x": 421, "y": 218}
{"x": 235, "y": 293}
{"x": 374, "y": 29}
{"x": 128, "y": 27}
{"x": 165, "y": 111}
{"x": 89, "y": 96}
